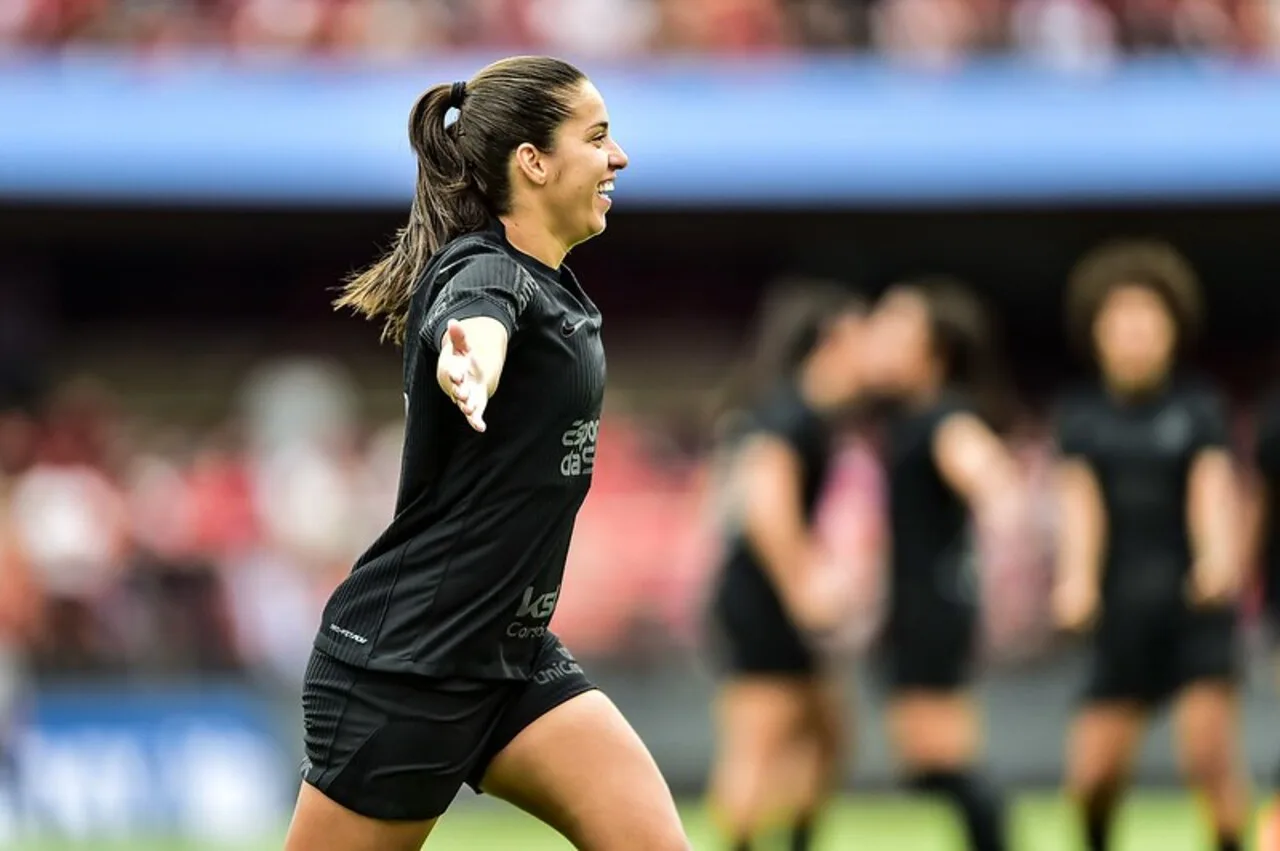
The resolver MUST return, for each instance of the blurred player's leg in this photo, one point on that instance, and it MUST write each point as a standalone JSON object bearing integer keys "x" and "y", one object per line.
{"x": 1209, "y": 752}
{"x": 759, "y": 719}
{"x": 321, "y": 824}
{"x": 812, "y": 765}
{"x": 1100, "y": 751}
{"x": 582, "y": 769}
{"x": 1268, "y": 838}
{"x": 937, "y": 740}
{"x": 816, "y": 757}
{"x": 1268, "y": 830}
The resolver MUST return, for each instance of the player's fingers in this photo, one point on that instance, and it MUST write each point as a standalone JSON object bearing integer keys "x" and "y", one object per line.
{"x": 477, "y": 421}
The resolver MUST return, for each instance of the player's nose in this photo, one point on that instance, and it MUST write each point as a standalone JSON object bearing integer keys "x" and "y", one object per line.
{"x": 618, "y": 158}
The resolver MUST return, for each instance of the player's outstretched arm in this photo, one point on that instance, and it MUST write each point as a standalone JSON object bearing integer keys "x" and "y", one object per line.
{"x": 472, "y": 352}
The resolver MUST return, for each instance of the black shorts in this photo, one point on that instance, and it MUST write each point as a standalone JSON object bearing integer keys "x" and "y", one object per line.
{"x": 400, "y": 746}
{"x": 1148, "y": 654}
{"x": 929, "y": 645}
{"x": 751, "y": 631}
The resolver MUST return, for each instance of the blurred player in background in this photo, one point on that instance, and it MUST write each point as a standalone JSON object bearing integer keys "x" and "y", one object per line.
{"x": 1265, "y": 549}
{"x": 932, "y": 356}
{"x": 779, "y": 711}
{"x": 434, "y": 665}
{"x": 1149, "y": 552}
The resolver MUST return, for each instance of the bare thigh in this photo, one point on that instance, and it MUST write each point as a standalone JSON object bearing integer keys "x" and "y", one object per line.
{"x": 763, "y": 749}
{"x": 821, "y": 748}
{"x": 1101, "y": 747}
{"x": 1207, "y": 718}
{"x": 829, "y": 714}
{"x": 582, "y": 769}
{"x": 322, "y": 824}
{"x": 758, "y": 718}
{"x": 934, "y": 730}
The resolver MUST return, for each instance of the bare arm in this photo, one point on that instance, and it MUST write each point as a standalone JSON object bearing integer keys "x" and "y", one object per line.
{"x": 1213, "y": 517}
{"x": 1081, "y": 533}
{"x": 773, "y": 512}
{"x": 976, "y": 465}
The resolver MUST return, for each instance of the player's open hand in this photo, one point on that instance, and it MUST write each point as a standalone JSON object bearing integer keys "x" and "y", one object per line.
{"x": 1075, "y": 604}
{"x": 822, "y": 598}
{"x": 460, "y": 377}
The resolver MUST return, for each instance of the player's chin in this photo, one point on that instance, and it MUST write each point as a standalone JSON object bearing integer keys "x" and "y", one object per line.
{"x": 596, "y": 223}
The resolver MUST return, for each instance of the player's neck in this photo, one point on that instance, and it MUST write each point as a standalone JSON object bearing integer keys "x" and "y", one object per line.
{"x": 537, "y": 242}
{"x": 1129, "y": 392}
{"x": 928, "y": 390}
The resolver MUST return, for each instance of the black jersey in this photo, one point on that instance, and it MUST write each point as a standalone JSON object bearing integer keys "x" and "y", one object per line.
{"x": 466, "y": 577}
{"x": 1142, "y": 453}
{"x": 928, "y": 521}
{"x": 783, "y": 415}
{"x": 754, "y": 630}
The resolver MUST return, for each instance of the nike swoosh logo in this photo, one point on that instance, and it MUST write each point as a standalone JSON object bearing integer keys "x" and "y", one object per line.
{"x": 569, "y": 330}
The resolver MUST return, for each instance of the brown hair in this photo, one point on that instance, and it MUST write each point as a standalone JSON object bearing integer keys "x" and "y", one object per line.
{"x": 792, "y": 319}
{"x": 1155, "y": 265}
{"x": 963, "y": 337}
{"x": 463, "y": 177}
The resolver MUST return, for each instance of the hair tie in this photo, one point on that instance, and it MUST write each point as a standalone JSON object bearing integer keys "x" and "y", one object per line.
{"x": 457, "y": 92}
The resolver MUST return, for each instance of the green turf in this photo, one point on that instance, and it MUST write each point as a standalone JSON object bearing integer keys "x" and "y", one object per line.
{"x": 1040, "y": 823}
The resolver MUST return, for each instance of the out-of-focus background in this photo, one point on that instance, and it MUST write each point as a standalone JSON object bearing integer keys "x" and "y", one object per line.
{"x": 193, "y": 447}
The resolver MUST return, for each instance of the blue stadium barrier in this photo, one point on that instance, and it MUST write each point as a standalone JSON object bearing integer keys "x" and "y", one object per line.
{"x": 819, "y": 132}
{"x": 97, "y": 762}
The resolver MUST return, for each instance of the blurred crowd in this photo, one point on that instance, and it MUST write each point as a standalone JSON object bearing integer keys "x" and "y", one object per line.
{"x": 937, "y": 32}
{"x": 130, "y": 548}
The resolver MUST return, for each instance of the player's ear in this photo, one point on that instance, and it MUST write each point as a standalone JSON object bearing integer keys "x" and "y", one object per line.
{"x": 531, "y": 163}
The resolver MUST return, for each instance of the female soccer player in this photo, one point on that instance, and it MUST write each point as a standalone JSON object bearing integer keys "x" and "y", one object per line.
{"x": 931, "y": 354}
{"x": 1148, "y": 537}
{"x": 778, "y": 713}
{"x": 434, "y": 665}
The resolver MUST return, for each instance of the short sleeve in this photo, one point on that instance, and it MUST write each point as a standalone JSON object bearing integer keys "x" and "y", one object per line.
{"x": 1073, "y": 428}
{"x": 488, "y": 284}
{"x": 1267, "y": 443}
{"x": 785, "y": 418}
{"x": 1209, "y": 415}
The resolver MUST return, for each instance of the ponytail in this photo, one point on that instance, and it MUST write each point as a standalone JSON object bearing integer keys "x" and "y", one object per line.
{"x": 446, "y": 204}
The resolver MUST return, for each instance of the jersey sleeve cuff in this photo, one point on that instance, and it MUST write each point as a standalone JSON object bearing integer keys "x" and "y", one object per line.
{"x": 469, "y": 309}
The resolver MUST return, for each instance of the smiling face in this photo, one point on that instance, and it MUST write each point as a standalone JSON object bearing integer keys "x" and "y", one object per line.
{"x": 1134, "y": 334}
{"x": 575, "y": 178}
